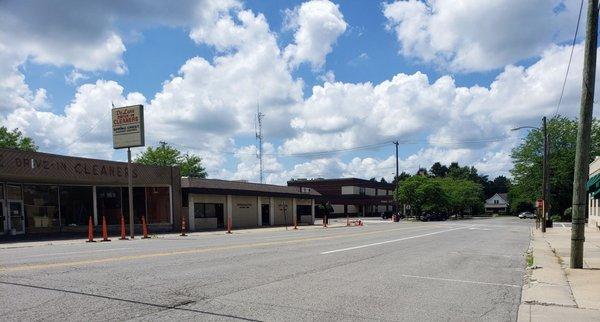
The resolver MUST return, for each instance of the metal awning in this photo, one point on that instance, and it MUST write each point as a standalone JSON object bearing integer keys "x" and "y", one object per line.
{"x": 593, "y": 186}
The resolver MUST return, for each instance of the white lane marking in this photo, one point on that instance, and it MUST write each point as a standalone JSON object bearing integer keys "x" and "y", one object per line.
{"x": 71, "y": 253}
{"x": 390, "y": 241}
{"x": 378, "y": 222}
{"x": 458, "y": 281}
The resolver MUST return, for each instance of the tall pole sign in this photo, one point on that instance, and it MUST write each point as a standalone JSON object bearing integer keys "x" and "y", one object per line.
{"x": 128, "y": 132}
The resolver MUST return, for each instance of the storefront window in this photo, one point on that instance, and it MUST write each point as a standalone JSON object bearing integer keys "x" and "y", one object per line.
{"x": 158, "y": 205}
{"x": 76, "y": 205}
{"x": 41, "y": 206}
{"x": 109, "y": 204}
{"x": 139, "y": 204}
{"x": 208, "y": 210}
{"x": 13, "y": 192}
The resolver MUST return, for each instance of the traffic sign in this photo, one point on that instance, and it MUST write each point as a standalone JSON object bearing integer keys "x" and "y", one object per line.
{"x": 539, "y": 203}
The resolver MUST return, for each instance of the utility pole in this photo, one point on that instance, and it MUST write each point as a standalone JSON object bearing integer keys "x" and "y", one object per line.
{"x": 397, "y": 174}
{"x": 545, "y": 176}
{"x": 582, "y": 156}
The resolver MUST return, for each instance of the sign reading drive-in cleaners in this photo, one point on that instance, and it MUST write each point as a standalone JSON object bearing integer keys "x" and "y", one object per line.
{"x": 128, "y": 132}
{"x": 128, "y": 126}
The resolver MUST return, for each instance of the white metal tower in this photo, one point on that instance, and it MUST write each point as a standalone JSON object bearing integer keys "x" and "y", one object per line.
{"x": 259, "y": 136}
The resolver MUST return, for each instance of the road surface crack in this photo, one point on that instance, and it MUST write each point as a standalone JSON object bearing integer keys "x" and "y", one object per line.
{"x": 161, "y": 307}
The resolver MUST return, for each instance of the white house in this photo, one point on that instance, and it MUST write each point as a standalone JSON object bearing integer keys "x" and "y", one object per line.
{"x": 497, "y": 204}
{"x": 593, "y": 189}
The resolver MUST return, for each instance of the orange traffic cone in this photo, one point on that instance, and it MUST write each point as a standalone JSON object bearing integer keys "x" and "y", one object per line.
{"x": 123, "y": 234}
{"x": 144, "y": 228}
{"x": 183, "y": 227}
{"x": 104, "y": 230}
{"x": 91, "y": 231}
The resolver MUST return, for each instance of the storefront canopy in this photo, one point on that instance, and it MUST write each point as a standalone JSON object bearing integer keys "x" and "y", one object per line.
{"x": 593, "y": 186}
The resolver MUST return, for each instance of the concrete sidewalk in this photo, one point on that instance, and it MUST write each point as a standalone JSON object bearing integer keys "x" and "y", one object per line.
{"x": 554, "y": 292}
{"x": 333, "y": 223}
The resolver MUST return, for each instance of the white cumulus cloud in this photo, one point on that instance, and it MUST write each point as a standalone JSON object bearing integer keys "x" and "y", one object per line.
{"x": 317, "y": 25}
{"x": 474, "y": 35}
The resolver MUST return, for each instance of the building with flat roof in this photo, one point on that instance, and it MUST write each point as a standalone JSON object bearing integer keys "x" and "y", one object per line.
{"x": 47, "y": 193}
{"x": 209, "y": 202}
{"x": 352, "y": 196}
{"x": 593, "y": 190}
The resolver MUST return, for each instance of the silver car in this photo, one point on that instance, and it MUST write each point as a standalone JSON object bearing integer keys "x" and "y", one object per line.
{"x": 526, "y": 215}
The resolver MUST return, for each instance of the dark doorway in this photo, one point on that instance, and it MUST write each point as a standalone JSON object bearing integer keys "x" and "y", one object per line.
{"x": 302, "y": 210}
{"x": 266, "y": 215}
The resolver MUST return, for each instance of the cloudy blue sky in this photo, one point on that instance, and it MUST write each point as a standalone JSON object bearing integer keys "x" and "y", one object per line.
{"x": 446, "y": 78}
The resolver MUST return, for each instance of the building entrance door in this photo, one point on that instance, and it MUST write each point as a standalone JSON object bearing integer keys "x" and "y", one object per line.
{"x": 2, "y": 218}
{"x": 266, "y": 218}
{"x": 16, "y": 218}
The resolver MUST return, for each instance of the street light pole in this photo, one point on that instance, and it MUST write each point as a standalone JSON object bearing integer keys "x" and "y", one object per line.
{"x": 545, "y": 171}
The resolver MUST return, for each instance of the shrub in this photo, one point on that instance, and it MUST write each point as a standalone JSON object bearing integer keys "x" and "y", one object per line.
{"x": 567, "y": 214}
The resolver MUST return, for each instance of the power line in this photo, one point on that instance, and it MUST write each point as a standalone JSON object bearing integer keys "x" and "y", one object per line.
{"x": 325, "y": 152}
{"x": 359, "y": 148}
{"x": 89, "y": 130}
{"x": 570, "y": 59}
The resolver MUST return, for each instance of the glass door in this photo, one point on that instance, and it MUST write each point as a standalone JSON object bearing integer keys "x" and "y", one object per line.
{"x": 265, "y": 215}
{"x": 2, "y": 218}
{"x": 16, "y": 217}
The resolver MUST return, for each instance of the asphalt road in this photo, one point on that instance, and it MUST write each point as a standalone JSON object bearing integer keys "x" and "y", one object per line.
{"x": 459, "y": 270}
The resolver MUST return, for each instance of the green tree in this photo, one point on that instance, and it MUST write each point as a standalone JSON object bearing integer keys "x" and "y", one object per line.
{"x": 527, "y": 158}
{"x": 500, "y": 184}
{"x": 401, "y": 177}
{"x": 464, "y": 196}
{"x": 438, "y": 170}
{"x": 433, "y": 197}
{"x": 191, "y": 166}
{"x": 455, "y": 196}
{"x": 421, "y": 194}
{"x": 406, "y": 192}
{"x": 165, "y": 155}
{"x": 15, "y": 140}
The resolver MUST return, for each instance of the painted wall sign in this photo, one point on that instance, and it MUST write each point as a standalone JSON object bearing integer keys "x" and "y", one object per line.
{"x": 41, "y": 167}
{"x": 128, "y": 126}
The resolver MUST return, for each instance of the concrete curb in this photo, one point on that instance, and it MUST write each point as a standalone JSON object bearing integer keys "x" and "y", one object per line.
{"x": 176, "y": 235}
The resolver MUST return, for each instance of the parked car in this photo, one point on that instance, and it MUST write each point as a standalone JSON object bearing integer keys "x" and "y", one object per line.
{"x": 433, "y": 216}
{"x": 526, "y": 215}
